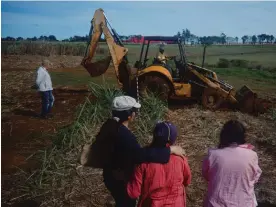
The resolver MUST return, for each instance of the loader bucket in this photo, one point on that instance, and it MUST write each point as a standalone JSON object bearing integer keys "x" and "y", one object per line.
{"x": 247, "y": 100}
{"x": 97, "y": 68}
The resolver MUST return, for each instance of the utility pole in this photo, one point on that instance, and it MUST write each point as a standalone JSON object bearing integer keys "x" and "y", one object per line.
{"x": 203, "y": 58}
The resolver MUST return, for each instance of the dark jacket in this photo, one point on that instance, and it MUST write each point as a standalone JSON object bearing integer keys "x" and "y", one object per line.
{"x": 127, "y": 152}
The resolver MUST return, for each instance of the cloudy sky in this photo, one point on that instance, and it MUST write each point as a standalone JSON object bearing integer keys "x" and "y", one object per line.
{"x": 65, "y": 19}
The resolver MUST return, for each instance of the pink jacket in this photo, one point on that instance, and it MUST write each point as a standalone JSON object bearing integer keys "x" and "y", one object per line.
{"x": 231, "y": 173}
{"x": 161, "y": 184}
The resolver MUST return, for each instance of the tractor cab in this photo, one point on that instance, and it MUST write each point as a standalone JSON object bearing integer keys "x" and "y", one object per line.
{"x": 167, "y": 52}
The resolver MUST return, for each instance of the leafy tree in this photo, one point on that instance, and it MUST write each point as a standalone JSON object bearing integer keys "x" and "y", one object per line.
{"x": 194, "y": 39}
{"x": 267, "y": 38}
{"x": 259, "y": 39}
{"x": 8, "y": 38}
{"x": 236, "y": 39}
{"x": 223, "y": 38}
{"x": 207, "y": 40}
{"x": 52, "y": 38}
{"x": 187, "y": 35}
{"x": 19, "y": 39}
{"x": 244, "y": 39}
{"x": 43, "y": 38}
{"x": 184, "y": 36}
{"x": 271, "y": 38}
{"x": 254, "y": 39}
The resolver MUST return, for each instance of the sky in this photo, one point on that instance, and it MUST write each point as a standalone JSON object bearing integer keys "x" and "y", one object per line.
{"x": 66, "y": 19}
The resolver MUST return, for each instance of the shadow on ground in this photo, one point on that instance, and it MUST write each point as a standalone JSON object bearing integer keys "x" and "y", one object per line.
{"x": 265, "y": 204}
{"x": 24, "y": 112}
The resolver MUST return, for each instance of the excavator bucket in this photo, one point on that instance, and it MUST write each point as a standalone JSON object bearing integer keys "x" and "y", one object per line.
{"x": 97, "y": 68}
{"x": 247, "y": 100}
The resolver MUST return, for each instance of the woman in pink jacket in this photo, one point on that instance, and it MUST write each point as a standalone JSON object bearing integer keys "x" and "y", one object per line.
{"x": 231, "y": 170}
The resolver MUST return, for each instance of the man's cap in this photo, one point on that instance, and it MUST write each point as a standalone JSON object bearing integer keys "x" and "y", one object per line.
{"x": 166, "y": 132}
{"x": 124, "y": 103}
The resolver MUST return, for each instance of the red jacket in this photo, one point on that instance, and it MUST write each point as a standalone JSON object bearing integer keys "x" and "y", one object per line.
{"x": 161, "y": 184}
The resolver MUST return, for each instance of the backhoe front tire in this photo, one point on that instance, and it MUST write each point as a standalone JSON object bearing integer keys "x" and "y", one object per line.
{"x": 154, "y": 85}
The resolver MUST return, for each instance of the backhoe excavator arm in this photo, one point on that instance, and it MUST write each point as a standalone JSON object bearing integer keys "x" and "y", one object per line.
{"x": 117, "y": 50}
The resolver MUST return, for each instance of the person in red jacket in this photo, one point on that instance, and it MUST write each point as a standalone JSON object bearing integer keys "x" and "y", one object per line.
{"x": 161, "y": 184}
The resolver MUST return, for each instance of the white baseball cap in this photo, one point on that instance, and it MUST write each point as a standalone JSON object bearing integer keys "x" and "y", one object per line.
{"x": 123, "y": 103}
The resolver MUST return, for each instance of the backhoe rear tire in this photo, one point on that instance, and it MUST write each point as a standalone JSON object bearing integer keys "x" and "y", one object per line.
{"x": 154, "y": 85}
{"x": 210, "y": 99}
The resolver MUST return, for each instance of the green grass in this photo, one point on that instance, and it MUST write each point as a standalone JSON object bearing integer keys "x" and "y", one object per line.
{"x": 153, "y": 110}
{"x": 259, "y": 80}
{"x": 258, "y": 54}
{"x": 244, "y": 73}
{"x": 262, "y": 82}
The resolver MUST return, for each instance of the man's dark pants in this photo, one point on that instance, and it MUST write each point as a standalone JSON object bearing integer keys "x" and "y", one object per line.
{"x": 118, "y": 190}
{"x": 47, "y": 102}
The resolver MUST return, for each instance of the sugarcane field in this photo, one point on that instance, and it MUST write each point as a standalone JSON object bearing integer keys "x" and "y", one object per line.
{"x": 201, "y": 84}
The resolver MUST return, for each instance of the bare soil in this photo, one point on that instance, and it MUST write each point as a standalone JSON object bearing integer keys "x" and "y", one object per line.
{"x": 23, "y": 133}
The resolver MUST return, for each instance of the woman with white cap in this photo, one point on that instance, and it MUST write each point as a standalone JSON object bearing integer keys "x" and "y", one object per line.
{"x": 126, "y": 152}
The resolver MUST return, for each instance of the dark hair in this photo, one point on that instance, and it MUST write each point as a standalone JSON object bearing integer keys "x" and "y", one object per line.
{"x": 232, "y": 132}
{"x": 158, "y": 142}
{"x": 123, "y": 115}
{"x": 164, "y": 133}
{"x": 100, "y": 152}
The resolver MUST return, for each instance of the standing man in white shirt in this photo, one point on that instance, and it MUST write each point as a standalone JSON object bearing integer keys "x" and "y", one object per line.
{"x": 44, "y": 86}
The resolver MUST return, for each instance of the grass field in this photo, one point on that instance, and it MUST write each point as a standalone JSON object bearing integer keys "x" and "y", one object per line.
{"x": 54, "y": 145}
{"x": 256, "y": 56}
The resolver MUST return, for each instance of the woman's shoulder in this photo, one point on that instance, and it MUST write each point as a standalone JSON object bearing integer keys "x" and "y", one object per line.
{"x": 244, "y": 148}
{"x": 178, "y": 158}
{"x": 248, "y": 149}
{"x": 247, "y": 146}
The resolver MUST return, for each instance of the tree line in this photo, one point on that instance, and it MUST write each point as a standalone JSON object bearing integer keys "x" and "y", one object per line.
{"x": 41, "y": 38}
{"x": 185, "y": 35}
{"x": 259, "y": 38}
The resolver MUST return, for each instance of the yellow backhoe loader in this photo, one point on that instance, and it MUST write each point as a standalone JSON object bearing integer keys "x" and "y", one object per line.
{"x": 190, "y": 81}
